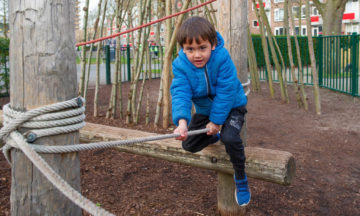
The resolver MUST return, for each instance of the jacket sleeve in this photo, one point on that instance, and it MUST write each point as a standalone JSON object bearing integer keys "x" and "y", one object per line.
{"x": 181, "y": 96}
{"x": 226, "y": 88}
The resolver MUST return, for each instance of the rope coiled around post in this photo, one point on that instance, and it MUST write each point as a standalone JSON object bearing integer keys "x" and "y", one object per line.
{"x": 51, "y": 120}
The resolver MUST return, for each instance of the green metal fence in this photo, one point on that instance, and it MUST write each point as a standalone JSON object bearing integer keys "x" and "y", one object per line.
{"x": 154, "y": 62}
{"x": 337, "y": 60}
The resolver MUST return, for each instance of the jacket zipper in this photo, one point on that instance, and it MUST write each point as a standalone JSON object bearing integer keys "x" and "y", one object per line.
{"x": 208, "y": 83}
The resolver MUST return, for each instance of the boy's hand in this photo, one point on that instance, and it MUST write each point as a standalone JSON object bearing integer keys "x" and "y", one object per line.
{"x": 213, "y": 128}
{"x": 182, "y": 129}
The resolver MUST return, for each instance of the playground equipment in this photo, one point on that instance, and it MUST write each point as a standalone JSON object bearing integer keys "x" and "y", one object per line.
{"x": 44, "y": 72}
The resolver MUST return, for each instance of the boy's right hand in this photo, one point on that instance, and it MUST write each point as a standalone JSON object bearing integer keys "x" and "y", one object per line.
{"x": 182, "y": 130}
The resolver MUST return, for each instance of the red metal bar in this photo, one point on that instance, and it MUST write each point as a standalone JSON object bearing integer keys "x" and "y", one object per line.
{"x": 145, "y": 25}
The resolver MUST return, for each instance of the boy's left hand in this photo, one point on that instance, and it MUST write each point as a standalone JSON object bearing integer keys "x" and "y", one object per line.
{"x": 213, "y": 128}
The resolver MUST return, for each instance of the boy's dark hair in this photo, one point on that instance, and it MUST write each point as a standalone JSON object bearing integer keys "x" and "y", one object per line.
{"x": 195, "y": 28}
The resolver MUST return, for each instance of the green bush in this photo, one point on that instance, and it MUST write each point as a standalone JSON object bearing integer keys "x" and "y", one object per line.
{"x": 282, "y": 42}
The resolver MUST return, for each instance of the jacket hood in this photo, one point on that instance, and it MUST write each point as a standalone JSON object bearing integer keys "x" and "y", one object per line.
{"x": 219, "y": 45}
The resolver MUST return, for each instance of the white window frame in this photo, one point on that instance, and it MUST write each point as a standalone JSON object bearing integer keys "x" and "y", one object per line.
{"x": 313, "y": 9}
{"x": 278, "y": 29}
{"x": 279, "y": 1}
{"x": 303, "y": 15}
{"x": 301, "y": 31}
{"x": 277, "y": 15}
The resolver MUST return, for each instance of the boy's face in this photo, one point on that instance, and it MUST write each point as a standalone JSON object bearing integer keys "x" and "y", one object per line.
{"x": 198, "y": 53}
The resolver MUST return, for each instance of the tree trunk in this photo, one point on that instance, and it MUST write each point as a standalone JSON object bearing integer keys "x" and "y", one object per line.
{"x": 167, "y": 63}
{"x": 5, "y": 11}
{"x": 283, "y": 90}
{"x": 111, "y": 111}
{"x": 313, "y": 62}
{"x": 255, "y": 82}
{"x": 300, "y": 68}
{"x": 266, "y": 53}
{"x": 332, "y": 12}
{"x": 292, "y": 66}
{"x": 99, "y": 47}
{"x": 136, "y": 65}
{"x": 139, "y": 68}
{"x": 83, "y": 56}
{"x": 87, "y": 75}
{"x": 43, "y": 72}
{"x": 160, "y": 12}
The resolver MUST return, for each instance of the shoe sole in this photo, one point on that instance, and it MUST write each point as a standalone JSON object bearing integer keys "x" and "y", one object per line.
{"x": 243, "y": 205}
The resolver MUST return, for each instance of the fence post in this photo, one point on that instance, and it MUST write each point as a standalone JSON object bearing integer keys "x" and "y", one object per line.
{"x": 108, "y": 76}
{"x": 320, "y": 60}
{"x": 354, "y": 65}
{"x": 128, "y": 62}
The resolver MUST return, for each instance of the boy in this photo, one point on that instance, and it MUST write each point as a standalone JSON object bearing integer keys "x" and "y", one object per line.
{"x": 205, "y": 75}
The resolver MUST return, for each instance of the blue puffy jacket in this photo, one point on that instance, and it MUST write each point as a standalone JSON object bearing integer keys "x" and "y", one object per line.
{"x": 214, "y": 89}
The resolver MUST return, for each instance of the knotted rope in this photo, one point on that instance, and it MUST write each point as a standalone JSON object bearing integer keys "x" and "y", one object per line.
{"x": 51, "y": 120}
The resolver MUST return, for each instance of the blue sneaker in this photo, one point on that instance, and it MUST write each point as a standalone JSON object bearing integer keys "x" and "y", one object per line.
{"x": 242, "y": 191}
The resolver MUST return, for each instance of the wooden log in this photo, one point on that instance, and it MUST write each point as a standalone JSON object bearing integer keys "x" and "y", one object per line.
{"x": 43, "y": 71}
{"x": 266, "y": 164}
{"x": 226, "y": 196}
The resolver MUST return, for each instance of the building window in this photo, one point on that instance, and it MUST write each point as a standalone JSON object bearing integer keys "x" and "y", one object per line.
{"x": 278, "y": 14}
{"x": 303, "y": 30}
{"x": 279, "y": 31}
{"x": 314, "y": 11}
{"x": 255, "y": 24}
{"x": 296, "y": 12}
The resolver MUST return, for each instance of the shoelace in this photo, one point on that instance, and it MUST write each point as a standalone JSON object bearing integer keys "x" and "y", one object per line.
{"x": 242, "y": 186}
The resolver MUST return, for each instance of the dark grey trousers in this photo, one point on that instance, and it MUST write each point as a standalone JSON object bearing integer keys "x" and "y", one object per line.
{"x": 230, "y": 136}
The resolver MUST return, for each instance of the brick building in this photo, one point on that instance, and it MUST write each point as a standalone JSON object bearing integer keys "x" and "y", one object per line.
{"x": 275, "y": 12}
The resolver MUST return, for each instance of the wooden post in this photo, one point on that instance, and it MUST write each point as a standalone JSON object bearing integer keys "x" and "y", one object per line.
{"x": 43, "y": 71}
{"x": 232, "y": 25}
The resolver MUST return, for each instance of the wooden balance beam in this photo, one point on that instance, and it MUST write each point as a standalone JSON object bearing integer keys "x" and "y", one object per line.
{"x": 265, "y": 164}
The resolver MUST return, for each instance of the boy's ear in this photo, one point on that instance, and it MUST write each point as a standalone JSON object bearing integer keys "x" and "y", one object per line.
{"x": 213, "y": 47}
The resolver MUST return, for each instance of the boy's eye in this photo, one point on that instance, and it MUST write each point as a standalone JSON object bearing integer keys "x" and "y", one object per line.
{"x": 189, "y": 49}
{"x": 203, "y": 47}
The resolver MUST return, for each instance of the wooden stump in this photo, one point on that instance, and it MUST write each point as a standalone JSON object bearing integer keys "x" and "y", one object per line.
{"x": 227, "y": 205}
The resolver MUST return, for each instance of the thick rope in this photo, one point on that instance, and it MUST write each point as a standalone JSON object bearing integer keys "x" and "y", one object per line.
{"x": 53, "y": 116}
{"x": 109, "y": 144}
{"x": 11, "y": 136}
{"x": 55, "y": 179}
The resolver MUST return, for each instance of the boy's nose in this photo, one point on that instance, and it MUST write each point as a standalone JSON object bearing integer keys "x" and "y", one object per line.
{"x": 197, "y": 54}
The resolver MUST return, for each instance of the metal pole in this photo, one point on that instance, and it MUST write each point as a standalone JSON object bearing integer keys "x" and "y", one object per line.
{"x": 108, "y": 73}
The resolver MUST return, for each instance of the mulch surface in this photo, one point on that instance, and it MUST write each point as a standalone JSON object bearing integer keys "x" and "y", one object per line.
{"x": 326, "y": 149}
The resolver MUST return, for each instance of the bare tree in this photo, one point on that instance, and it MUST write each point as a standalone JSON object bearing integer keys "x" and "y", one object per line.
{"x": 83, "y": 56}
{"x": 332, "y": 12}
{"x": 300, "y": 67}
{"x": 167, "y": 64}
{"x": 313, "y": 62}
{"x": 4, "y": 10}
{"x": 272, "y": 41}
{"x": 99, "y": 45}
{"x": 266, "y": 52}
{"x": 292, "y": 65}
{"x": 255, "y": 82}
{"x": 95, "y": 29}
{"x": 160, "y": 12}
